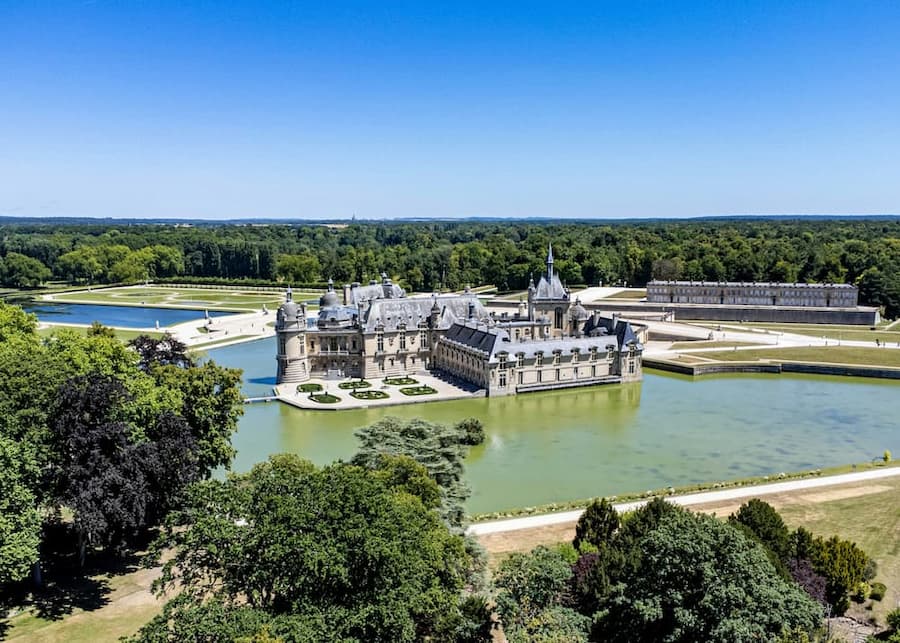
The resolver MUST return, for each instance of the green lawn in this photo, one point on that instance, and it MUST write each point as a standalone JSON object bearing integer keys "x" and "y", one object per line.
{"x": 236, "y": 299}
{"x": 628, "y": 294}
{"x": 705, "y": 344}
{"x": 851, "y": 333}
{"x": 826, "y": 354}
{"x": 872, "y": 521}
{"x": 124, "y": 335}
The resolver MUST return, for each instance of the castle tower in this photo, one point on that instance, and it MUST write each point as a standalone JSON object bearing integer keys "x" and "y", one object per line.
{"x": 290, "y": 332}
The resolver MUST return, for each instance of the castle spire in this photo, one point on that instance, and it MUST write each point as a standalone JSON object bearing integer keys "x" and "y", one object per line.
{"x": 549, "y": 262}
{"x": 289, "y": 295}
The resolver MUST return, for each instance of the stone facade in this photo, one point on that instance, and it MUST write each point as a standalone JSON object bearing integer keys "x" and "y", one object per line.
{"x": 377, "y": 331}
{"x": 753, "y": 294}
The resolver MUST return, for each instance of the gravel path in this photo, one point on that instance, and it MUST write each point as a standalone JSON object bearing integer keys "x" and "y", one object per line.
{"x": 705, "y": 497}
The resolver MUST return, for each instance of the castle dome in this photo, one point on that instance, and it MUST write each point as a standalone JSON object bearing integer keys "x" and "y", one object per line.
{"x": 330, "y": 298}
{"x": 578, "y": 312}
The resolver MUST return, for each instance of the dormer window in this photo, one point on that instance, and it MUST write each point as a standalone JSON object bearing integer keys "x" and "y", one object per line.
{"x": 520, "y": 360}
{"x": 539, "y": 359}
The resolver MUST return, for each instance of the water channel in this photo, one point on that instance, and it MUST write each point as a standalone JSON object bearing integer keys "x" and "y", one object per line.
{"x": 566, "y": 445}
{"x": 119, "y": 316}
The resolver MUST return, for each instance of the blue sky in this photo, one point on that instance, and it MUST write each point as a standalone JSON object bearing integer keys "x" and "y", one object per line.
{"x": 591, "y": 109}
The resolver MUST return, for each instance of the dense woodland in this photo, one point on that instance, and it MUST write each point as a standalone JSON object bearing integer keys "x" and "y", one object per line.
{"x": 450, "y": 255}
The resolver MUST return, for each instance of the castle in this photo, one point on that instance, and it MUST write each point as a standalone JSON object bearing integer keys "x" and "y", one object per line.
{"x": 376, "y": 331}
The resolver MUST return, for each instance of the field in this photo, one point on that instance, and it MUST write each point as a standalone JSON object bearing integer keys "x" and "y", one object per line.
{"x": 824, "y": 354}
{"x": 228, "y": 299}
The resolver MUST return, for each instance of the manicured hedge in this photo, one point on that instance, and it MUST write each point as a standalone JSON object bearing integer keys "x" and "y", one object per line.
{"x": 355, "y": 384}
{"x": 369, "y": 395}
{"x": 325, "y": 398}
{"x": 418, "y": 390}
{"x": 400, "y": 381}
{"x": 309, "y": 387}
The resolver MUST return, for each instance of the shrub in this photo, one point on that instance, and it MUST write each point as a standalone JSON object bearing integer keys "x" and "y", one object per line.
{"x": 886, "y": 456}
{"x": 877, "y": 592}
{"x": 893, "y": 619}
{"x": 324, "y": 398}
{"x": 354, "y": 384}
{"x": 309, "y": 387}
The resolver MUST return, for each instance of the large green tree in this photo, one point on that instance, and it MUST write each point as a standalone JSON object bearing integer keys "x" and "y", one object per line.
{"x": 699, "y": 579}
{"x": 341, "y": 548}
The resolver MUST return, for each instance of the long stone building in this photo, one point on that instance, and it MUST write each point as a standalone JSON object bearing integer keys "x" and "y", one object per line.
{"x": 376, "y": 331}
{"x": 753, "y": 294}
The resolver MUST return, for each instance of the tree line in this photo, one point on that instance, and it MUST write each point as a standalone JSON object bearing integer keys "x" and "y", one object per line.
{"x": 450, "y": 255}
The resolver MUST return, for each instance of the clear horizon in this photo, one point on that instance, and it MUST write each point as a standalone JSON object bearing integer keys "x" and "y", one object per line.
{"x": 649, "y": 110}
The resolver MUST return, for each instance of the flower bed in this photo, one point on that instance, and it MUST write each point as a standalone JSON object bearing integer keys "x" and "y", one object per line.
{"x": 309, "y": 387}
{"x": 355, "y": 384}
{"x": 418, "y": 390}
{"x": 400, "y": 381}
{"x": 369, "y": 395}
{"x": 324, "y": 398}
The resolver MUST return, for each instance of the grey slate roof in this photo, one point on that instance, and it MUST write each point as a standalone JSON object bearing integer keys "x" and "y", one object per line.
{"x": 552, "y": 289}
{"x": 478, "y": 336}
{"x": 375, "y": 291}
{"x": 736, "y": 284}
{"x": 392, "y": 312}
{"x": 493, "y": 341}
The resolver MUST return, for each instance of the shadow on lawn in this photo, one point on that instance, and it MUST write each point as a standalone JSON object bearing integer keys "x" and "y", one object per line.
{"x": 66, "y": 587}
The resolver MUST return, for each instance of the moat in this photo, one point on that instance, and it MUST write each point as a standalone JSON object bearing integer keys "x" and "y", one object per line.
{"x": 578, "y": 443}
{"x": 566, "y": 445}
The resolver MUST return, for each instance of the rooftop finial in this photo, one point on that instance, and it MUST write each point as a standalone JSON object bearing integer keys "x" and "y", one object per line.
{"x": 289, "y": 295}
{"x": 549, "y": 262}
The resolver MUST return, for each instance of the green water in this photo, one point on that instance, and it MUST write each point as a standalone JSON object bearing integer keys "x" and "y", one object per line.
{"x": 667, "y": 430}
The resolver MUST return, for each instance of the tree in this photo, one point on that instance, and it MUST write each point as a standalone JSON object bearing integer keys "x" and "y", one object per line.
{"x": 161, "y": 352}
{"x": 702, "y": 580}
{"x": 764, "y": 523}
{"x": 336, "y": 545}
{"x": 597, "y": 524}
{"x": 20, "y": 522}
{"x": 211, "y": 403}
{"x": 437, "y": 447}
{"x": 298, "y": 269}
{"x": 117, "y": 479}
{"x": 471, "y": 431}
{"x": 532, "y": 592}
{"x": 99, "y": 476}
{"x": 20, "y": 271}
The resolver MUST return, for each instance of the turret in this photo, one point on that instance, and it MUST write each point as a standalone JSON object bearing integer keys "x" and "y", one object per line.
{"x": 290, "y": 332}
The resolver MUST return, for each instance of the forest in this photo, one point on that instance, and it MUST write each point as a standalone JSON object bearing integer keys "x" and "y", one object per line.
{"x": 450, "y": 255}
